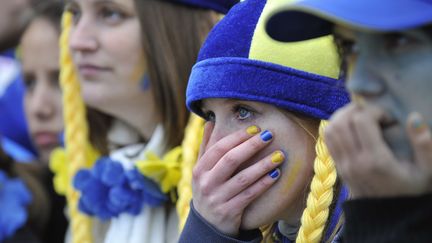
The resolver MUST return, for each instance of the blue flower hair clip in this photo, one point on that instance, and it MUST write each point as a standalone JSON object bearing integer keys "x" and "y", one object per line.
{"x": 107, "y": 190}
{"x": 14, "y": 199}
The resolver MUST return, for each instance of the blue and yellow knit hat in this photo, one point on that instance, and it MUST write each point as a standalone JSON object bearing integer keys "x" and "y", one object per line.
{"x": 240, "y": 61}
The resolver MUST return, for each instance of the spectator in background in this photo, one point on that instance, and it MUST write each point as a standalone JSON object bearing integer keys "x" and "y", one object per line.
{"x": 44, "y": 220}
{"x": 40, "y": 64}
{"x": 14, "y": 138}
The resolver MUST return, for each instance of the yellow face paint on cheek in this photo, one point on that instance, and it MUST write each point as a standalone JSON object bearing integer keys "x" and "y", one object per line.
{"x": 292, "y": 175}
{"x": 139, "y": 70}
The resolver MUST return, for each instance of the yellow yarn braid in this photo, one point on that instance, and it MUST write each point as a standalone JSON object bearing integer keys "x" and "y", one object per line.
{"x": 190, "y": 146}
{"x": 76, "y": 133}
{"x": 315, "y": 215}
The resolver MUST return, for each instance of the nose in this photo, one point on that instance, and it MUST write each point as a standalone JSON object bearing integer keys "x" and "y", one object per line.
{"x": 83, "y": 37}
{"x": 42, "y": 106}
{"x": 365, "y": 80}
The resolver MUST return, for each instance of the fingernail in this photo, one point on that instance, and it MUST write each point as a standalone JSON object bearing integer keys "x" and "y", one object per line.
{"x": 277, "y": 157}
{"x": 274, "y": 173}
{"x": 418, "y": 122}
{"x": 252, "y": 130}
{"x": 266, "y": 136}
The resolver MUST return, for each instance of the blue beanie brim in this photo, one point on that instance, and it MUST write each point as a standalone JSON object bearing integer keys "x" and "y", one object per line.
{"x": 246, "y": 79}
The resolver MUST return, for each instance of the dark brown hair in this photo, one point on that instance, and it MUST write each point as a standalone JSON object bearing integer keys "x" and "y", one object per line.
{"x": 172, "y": 35}
{"x": 51, "y": 11}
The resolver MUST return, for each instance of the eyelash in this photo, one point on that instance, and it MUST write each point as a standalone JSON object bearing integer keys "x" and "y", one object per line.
{"x": 238, "y": 108}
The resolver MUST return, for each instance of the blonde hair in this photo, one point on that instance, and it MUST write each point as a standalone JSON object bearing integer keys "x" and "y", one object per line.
{"x": 76, "y": 133}
{"x": 320, "y": 198}
{"x": 316, "y": 213}
{"x": 190, "y": 148}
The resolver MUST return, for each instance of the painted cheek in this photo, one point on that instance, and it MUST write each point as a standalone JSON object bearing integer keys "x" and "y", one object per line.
{"x": 138, "y": 73}
{"x": 145, "y": 82}
{"x": 294, "y": 172}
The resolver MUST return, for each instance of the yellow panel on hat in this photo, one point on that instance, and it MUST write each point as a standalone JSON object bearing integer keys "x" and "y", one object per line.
{"x": 318, "y": 56}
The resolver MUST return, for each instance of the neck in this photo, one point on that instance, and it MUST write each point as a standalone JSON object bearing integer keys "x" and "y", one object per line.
{"x": 121, "y": 134}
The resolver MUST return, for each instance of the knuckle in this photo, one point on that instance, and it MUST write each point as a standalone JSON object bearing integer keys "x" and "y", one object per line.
{"x": 264, "y": 183}
{"x": 230, "y": 161}
{"x": 212, "y": 202}
{"x": 205, "y": 188}
{"x": 242, "y": 180}
{"x": 248, "y": 195}
{"x": 256, "y": 144}
{"x": 219, "y": 149}
{"x": 267, "y": 166}
{"x": 196, "y": 173}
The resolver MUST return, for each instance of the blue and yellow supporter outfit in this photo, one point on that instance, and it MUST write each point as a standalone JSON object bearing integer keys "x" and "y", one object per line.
{"x": 240, "y": 61}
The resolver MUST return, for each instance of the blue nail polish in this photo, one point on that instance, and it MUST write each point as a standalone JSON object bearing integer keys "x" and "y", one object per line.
{"x": 266, "y": 136}
{"x": 274, "y": 173}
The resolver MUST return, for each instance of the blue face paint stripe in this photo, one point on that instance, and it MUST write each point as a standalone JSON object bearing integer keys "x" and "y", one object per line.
{"x": 145, "y": 82}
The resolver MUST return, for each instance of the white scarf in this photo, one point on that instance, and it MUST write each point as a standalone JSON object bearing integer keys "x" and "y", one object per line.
{"x": 153, "y": 224}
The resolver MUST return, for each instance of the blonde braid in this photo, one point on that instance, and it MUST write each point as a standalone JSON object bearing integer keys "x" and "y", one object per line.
{"x": 76, "y": 133}
{"x": 190, "y": 146}
{"x": 315, "y": 215}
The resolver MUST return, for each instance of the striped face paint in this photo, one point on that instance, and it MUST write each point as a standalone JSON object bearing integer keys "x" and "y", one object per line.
{"x": 294, "y": 170}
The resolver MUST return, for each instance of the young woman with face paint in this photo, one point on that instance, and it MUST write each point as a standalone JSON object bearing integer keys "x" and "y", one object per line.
{"x": 263, "y": 138}
{"x": 131, "y": 59}
{"x": 382, "y": 141}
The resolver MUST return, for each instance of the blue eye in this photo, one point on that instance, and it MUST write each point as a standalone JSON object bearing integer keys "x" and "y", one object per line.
{"x": 243, "y": 113}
